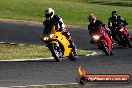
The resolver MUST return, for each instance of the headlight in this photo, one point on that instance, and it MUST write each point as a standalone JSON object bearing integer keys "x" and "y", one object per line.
{"x": 46, "y": 38}
{"x": 96, "y": 37}
{"x": 51, "y": 35}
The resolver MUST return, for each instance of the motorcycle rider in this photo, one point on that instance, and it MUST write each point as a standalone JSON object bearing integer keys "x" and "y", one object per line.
{"x": 57, "y": 21}
{"x": 94, "y": 27}
{"x": 115, "y": 22}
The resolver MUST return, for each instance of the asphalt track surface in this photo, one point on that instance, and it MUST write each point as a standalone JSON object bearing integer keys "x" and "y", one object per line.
{"x": 51, "y": 72}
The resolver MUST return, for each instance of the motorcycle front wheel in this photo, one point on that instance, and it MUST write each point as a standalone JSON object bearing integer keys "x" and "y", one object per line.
{"x": 56, "y": 52}
{"x": 105, "y": 48}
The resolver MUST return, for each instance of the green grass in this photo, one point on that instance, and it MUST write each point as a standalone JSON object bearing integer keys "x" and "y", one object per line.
{"x": 26, "y": 51}
{"x": 8, "y": 52}
{"x": 73, "y": 12}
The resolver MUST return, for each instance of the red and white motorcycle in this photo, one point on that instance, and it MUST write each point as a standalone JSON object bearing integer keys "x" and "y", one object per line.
{"x": 123, "y": 37}
{"x": 102, "y": 40}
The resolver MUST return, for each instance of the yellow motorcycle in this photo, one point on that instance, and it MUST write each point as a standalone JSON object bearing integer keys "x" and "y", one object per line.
{"x": 59, "y": 45}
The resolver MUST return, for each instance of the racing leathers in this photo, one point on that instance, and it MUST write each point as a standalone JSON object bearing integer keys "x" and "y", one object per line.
{"x": 95, "y": 27}
{"x": 114, "y": 24}
{"x": 57, "y": 21}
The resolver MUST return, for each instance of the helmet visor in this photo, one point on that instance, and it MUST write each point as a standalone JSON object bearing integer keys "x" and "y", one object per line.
{"x": 114, "y": 14}
{"x": 91, "y": 20}
{"x": 47, "y": 15}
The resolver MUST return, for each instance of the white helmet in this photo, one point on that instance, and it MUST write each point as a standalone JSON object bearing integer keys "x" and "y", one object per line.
{"x": 49, "y": 12}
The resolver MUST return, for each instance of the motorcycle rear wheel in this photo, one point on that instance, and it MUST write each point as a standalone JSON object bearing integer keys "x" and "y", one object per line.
{"x": 127, "y": 41}
{"x": 73, "y": 56}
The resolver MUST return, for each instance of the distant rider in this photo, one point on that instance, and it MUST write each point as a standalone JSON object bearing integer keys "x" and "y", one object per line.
{"x": 55, "y": 20}
{"x": 95, "y": 25}
{"x": 115, "y": 22}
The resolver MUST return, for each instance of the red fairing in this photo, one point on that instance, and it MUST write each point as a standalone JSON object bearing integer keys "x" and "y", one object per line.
{"x": 109, "y": 42}
{"x": 123, "y": 30}
{"x": 105, "y": 39}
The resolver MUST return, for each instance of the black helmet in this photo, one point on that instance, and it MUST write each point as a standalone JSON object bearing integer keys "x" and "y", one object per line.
{"x": 114, "y": 13}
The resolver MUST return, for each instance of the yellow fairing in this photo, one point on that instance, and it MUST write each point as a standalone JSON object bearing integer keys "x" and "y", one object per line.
{"x": 62, "y": 39}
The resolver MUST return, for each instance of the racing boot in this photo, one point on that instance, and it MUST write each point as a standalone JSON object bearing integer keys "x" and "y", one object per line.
{"x": 129, "y": 45}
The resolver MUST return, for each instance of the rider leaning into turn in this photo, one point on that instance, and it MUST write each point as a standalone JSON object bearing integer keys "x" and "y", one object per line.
{"x": 94, "y": 27}
{"x": 55, "y": 20}
{"x": 94, "y": 23}
{"x": 115, "y": 22}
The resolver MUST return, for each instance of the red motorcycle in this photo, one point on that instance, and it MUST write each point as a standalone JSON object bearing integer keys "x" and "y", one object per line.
{"x": 123, "y": 37}
{"x": 102, "y": 40}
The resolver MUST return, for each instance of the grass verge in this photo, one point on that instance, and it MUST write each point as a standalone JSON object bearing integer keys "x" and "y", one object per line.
{"x": 9, "y": 52}
{"x": 73, "y": 12}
